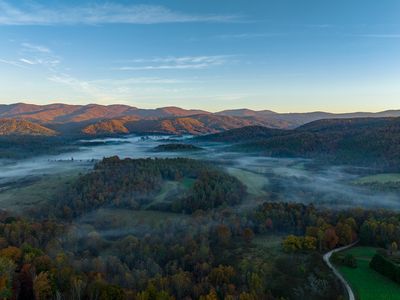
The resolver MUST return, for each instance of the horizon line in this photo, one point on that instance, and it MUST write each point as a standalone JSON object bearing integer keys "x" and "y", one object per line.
{"x": 206, "y": 110}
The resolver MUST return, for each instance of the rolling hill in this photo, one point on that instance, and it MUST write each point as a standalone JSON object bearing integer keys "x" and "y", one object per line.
{"x": 297, "y": 119}
{"x": 21, "y": 127}
{"x": 106, "y": 127}
{"x": 196, "y": 125}
{"x": 242, "y": 134}
{"x": 371, "y": 142}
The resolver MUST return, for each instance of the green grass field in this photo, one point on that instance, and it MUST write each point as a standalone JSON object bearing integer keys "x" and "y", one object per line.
{"x": 188, "y": 182}
{"x": 171, "y": 188}
{"x": 365, "y": 282}
{"x": 43, "y": 189}
{"x": 254, "y": 182}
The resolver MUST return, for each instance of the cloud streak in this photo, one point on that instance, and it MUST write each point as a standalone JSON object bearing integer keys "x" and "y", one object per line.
{"x": 27, "y": 61}
{"x": 97, "y": 14}
{"x": 118, "y": 89}
{"x": 37, "y": 55}
{"x": 380, "y": 36}
{"x": 248, "y": 35}
{"x": 35, "y": 48}
{"x": 11, "y": 63}
{"x": 175, "y": 63}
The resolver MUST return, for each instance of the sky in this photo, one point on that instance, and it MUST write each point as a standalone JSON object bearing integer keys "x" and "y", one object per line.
{"x": 282, "y": 55}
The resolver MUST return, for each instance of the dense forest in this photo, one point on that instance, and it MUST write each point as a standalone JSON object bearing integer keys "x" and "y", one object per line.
{"x": 133, "y": 183}
{"x": 201, "y": 244}
{"x": 365, "y": 141}
{"x": 208, "y": 257}
{"x": 326, "y": 228}
{"x": 20, "y": 147}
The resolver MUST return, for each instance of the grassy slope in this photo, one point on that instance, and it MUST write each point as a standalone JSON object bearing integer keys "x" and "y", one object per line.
{"x": 366, "y": 283}
{"x": 255, "y": 182}
{"x": 41, "y": 190}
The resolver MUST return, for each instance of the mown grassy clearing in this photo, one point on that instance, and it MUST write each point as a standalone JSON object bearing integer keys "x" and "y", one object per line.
{"x": 255, "y": 183}
{"x": 167, "y": 187}
{"x": 365, "y": 282}
{"x": 171, "y": 188}
{"x": 188, "y": 182}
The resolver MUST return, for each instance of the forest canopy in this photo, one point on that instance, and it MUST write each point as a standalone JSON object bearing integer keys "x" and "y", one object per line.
{"x": 135, "y": 183}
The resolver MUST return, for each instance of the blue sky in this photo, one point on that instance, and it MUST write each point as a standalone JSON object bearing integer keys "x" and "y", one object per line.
{"x": 284, "y": 55}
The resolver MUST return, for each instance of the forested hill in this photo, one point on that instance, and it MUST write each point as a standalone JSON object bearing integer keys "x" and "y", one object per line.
{"x": 373, "y": 142}
{"x": 247, "y": 133}
{"x": 139, "y": 184}
{"x": 350, "y": 125}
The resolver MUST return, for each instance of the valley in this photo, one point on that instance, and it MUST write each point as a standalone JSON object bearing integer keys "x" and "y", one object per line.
{"x": 203, "y": 203}
{"x": 199, "y": 150}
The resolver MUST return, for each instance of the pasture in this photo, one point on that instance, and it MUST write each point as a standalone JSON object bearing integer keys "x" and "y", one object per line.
{"x": 365, "y": 282}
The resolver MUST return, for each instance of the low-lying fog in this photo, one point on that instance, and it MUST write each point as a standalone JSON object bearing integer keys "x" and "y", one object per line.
{"x": 275, "y": 179}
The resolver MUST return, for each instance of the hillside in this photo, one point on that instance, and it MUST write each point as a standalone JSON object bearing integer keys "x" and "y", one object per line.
{"x": 106, "y": 127}
{"x": 347, "y": 125}
{"x": 197, "y": 124}
{"x": 21, "y": 127}
{"x": 297, "y": 119}
{"x": 370, "y": 142}
{"x": 247, "y": 133}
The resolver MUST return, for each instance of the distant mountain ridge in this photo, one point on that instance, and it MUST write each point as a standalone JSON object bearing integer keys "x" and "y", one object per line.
{"x": 59, "y": 112}
{"x": 63, "y": 113}
{"x": 95, "y": 119}
{"x": 298, "y": 119}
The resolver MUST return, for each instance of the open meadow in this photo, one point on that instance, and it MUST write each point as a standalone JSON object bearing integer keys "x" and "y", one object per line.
{"x": 365, "y": 282}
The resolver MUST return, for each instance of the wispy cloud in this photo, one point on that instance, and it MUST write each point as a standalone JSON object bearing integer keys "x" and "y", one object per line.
{"x": 28, "y": 61}
{"x": 46, "y": 62}
{"x": 108, "y": 13}
{"x": 126, "y": 88}
{"x": 379, "y": 36}
{"x": 138, "y": 80}
{"x": 11, "y": 63}
{"x": 38, "y": 55}
{"x": 175, "y": 63}
{"x": 248, "y": 35}
{"x": 36, "y": 48}
{"x": 321, "y": 26}
{"x": 76, "y": 84}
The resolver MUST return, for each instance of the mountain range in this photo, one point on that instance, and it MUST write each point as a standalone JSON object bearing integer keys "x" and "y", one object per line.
{"x": 94, "y": 119}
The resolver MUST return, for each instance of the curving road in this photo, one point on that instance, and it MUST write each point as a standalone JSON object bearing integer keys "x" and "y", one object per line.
{"x": 327, "y": 257}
